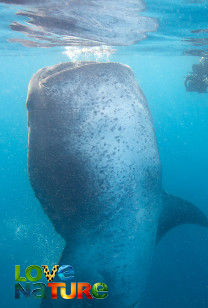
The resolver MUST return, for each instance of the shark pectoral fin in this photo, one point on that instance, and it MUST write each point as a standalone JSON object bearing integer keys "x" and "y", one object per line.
{"x": 177, "y": 211}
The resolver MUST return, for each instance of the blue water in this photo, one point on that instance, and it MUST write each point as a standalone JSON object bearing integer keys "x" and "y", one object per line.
{"x": 179, "y": 272}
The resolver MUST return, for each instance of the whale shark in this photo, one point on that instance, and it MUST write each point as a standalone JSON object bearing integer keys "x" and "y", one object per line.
{"x": 94, "y": 165}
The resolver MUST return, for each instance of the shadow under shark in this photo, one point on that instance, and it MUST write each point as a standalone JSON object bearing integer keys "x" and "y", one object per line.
{"x": 94, "y": 166}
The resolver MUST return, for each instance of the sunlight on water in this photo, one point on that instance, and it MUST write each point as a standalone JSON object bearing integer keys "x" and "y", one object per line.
{"x": 93, "y": 23}
{"x": 98, "y": 53}
{"x": 89, "y": 22}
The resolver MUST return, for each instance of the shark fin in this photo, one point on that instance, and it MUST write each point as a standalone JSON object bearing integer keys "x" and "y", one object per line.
{"x": 177, "y": 211}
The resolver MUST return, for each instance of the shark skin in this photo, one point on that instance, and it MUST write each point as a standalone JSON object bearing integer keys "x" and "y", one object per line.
{"x": 94, "y": 165}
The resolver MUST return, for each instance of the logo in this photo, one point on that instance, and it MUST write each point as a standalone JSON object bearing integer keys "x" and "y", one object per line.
{"x": 31, "y": 286}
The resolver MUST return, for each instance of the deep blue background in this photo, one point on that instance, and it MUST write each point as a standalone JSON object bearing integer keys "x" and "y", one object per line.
{"x": 179, "y": 275}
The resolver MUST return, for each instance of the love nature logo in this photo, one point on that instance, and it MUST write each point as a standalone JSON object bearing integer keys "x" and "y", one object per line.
{"x": 31, "y": 286}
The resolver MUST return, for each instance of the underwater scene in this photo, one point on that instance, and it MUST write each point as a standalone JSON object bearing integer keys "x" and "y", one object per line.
{"x": 104, "y": 153}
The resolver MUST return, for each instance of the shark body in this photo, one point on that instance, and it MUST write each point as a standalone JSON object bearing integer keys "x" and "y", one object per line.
{"x": 94, "y": 165}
